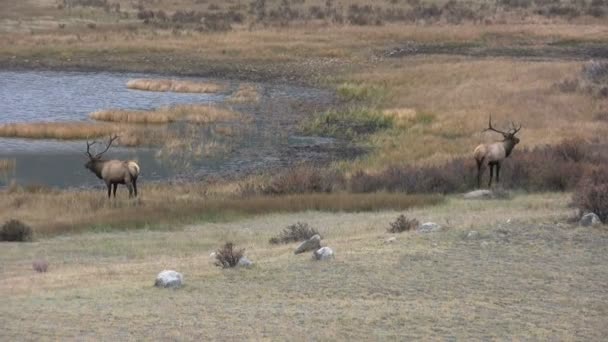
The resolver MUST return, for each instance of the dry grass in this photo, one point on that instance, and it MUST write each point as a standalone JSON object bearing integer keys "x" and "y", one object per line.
{"x": 174, "y": 86}
{"x": 530, "y": 279}
{"x": 56, "y": 130}
{"x": 246, "y": 93}
{"x": 7, "y": 165}
{"x": 160, "y": 204}
{"x": 200, "y": 114}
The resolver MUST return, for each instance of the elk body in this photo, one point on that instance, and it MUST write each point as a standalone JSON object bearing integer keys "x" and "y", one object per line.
{"x": 493, "y": 154}
{"x": 113, "y": 172}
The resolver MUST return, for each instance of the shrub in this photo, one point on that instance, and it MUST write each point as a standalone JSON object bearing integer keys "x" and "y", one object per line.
{"x": 228, "y": 256}
{"x": 15, "y": 230}
{"x": 303, "y": 179}
{"x": 294, "y": 233}
{"x": 402, "y": 224}
{"x": 591, "y": 194}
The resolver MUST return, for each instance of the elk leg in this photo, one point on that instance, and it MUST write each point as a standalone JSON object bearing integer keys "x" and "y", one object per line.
{"x": 479, "y": 172}
{"x": 135, "y": 186}
{"x": 497, "y": 173}
{"x": 109, "y": 190}
{"x": 130, "y": 187}
{"x": 491, "y": 175}
{"x": 115, "y": 186}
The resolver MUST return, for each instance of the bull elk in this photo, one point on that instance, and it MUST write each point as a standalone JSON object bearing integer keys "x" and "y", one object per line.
{"x": 113, "y": 172}
{"x": 494, "y": 153}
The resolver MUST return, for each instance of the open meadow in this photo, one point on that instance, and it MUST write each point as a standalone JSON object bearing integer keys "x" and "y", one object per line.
{"x": 247, "y": 117}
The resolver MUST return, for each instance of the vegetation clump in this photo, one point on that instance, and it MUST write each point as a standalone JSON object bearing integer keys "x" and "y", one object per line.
{"x": 299, "y": 231}
{"x": 403, "y": 224}
{"x": 178, "y": 86}
{"x": 15, "y": 230}
{"x": 591, "y": 194}
{"x": 347, "y": 124}
{"x": 228, "y": 256}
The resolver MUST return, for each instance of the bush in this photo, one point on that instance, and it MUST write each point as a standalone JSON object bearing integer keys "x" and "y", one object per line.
{"x": 228, "y": 256}
{"x": 294, "y": 233}
{"x": 303, "y": 179}
{"x": 402, "y": 224}
{"x": 591, "y": 194}
{"x": 15, "y": 230}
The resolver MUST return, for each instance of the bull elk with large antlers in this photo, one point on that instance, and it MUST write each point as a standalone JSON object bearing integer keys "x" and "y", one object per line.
{"x": 113, "y": 172}
{"x": 494, "y": 153}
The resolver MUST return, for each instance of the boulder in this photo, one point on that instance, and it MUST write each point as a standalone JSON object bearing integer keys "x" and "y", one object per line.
{"x": 590, "y": 220}
{"x": 324, "y": 253}
{"x": 40, "y": 265}
{"x": 473, "y": 234}
{"x": 479, "y": 194}
{"x": 244, "y": 262}
{"x": 391, "y": 239}
{"x": 168, "y": 278}
{"x": 311, "y": 244}
{"x": 428, "y": 227}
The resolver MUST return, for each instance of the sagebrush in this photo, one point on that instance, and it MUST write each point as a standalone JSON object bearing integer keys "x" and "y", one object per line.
{"x": 229, "y": 256}
{"x": 299, "y": 231}
{"x": 15, "y": 230}
{"x": 403, "y": 224}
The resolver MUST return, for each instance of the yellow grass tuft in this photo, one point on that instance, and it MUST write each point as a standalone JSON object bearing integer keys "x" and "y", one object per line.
{"x": 174, "y": 85}
{"x": 56, "y": 130}
{"x": 200, "y": 114}
{"x": 7, "y": 165}
{"x": 246, "y": 93}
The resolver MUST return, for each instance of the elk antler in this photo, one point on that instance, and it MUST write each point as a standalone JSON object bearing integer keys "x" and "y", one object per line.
{"x": 112, "y": 138}
{"x": 88, "y": 153}
{"x": 490, "y": 128}
{"x": 514, "y": 129}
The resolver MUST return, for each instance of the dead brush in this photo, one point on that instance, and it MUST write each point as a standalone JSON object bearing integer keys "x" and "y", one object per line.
{"x": 228, "y": 256}
{"x": 299, "y": 231}
{"x": 15, "y": 230}
{"x": 403, "y": 224}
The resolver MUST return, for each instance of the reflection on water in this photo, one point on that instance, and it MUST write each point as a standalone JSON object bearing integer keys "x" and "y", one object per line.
{"x": 186, "y": 151}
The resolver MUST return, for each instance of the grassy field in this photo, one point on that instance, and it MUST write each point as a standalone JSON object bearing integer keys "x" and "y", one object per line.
{"x": 413, "y": 91}
{"x": 526, "y": 275}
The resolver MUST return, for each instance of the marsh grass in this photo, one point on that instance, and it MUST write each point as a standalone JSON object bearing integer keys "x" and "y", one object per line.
{"x": 57, "y": 130}
{"x": 246, "y": 93}
{"x": 178, "y": 86}
{"x": 7, "y": 165}
{"x": 193, "y": 113}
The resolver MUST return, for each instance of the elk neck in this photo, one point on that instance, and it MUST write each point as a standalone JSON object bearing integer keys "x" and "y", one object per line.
{"x": 509, "y": 144}
{"x": 97, "y": 166}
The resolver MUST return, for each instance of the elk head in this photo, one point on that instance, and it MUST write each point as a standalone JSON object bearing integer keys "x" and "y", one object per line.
{"x": 94, "y": 159}
{"x": 509, "y": 137}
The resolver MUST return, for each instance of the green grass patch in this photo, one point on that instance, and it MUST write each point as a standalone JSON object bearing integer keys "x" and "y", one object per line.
{"x": 361, "y": 92}
{"x": 347, "y": 124}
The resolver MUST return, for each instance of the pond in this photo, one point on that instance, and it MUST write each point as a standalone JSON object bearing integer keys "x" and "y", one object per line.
{"x": 269, "y": 140}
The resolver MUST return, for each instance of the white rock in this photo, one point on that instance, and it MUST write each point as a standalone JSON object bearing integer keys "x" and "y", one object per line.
{"x": 311, "y": 244}
{"x": 324, "y": 253}
{"x": 472, "y": 234}
{"x": 169, "y": 278}
{"x": 429, "y": 227}
{"x": 391, "y": 239}
{"x": 244, "y": 262}
{"x": 590, "y": 220}
{"x": 479, "y": 194}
